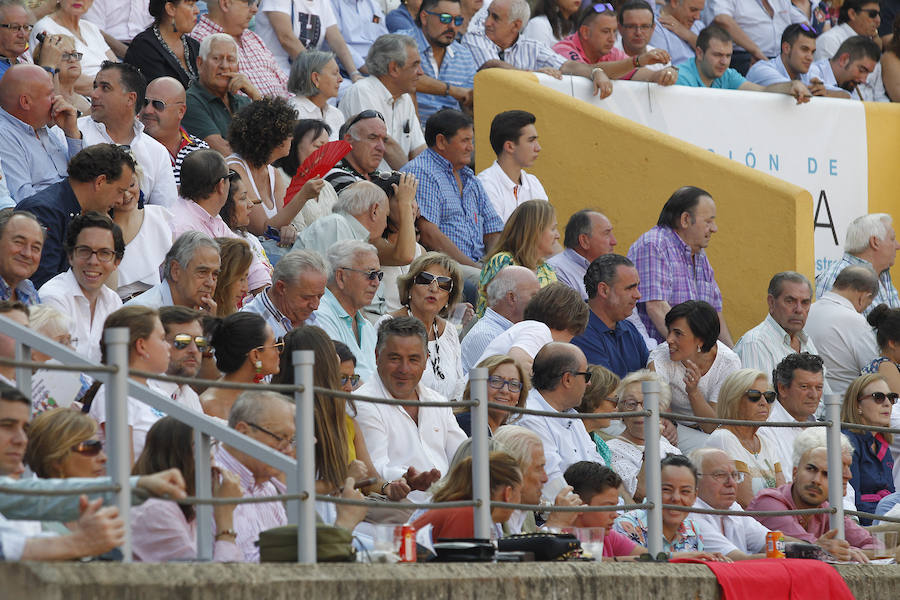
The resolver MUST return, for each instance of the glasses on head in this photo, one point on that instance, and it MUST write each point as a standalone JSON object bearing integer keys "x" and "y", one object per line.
{"x": 446, "y": 18}
{"x": 880, "y": 397}
{"x": 74, "y": 56}
{"x": 872, "y": 12}
{"x": 353, "y": 380}
{"x": 755, "y": 395}
{"x": 722, "y": 476}
{"x": 366, "y": 114}
{"x": 497, "y": 382}
{"x": 183, "y": 340}
{"x": 158, "y": 105}
{"x": 88, "y": 447}
{"x": 605, "y": 7}
{"x": 370, "y": 275}
{"x": 636, "y": 27}
{"x": 282, "y": 441}
{"x": 808, "y": 29}
{"x": 278, "y": 345}
{"x": 17, "y": 27}
{"x": 86, "y": 252}
{"x": 587, "y": 375}
{"x": 425, "y": 278}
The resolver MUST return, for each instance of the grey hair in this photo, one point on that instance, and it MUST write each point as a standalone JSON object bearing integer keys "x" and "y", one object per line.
{"x": 309, "y": 62}
{"x": 4, "y": 4}
{"x": 861, "y": 229}
{"x": 698, "y": 455}
{"x": 388, "y": 48}
{"x": 504, "y": 282}
{"x": 860, "y": 278}
{"x": 184, "y": 248}
{"x": 44, "y": 318}
{"x": 208, "y": 41}
{"x": 344, "y": 253}
{"x": 251, "y": 406}
{"x": 518, "y": 442}
{"x": 359, "y": 197}
{"x": 816, "y": 437}
{"x": 519, "y": 9}
{"x": 295, "y": 262}
{"x": 640, "y": 376}
{"x": 776, "y": 284}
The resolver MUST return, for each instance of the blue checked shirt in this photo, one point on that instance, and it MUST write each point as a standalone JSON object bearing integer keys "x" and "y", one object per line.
{"x": 465, "y": 219}
{"x": 458, "y": 68}
{"x": 887, "y": 293}
{"x": 25, "y": 292}
{"x": 528, "y": 55}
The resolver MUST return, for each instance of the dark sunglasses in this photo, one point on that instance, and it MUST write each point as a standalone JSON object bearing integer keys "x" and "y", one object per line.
{"x": 278, "y": 345}
{"x": 880, "y": 397}
{"x": 497, "y": 382}
{"x": 872, "y": 12}
{"x": 370, "y": 275}
{"x": 352, "y": 379}
{"x": 445, "y": 18}
{"x": 755, "y": 395}
{"x": 157, "y": 104}
{"x": 425, "y": 278}
{"x": 366, "y": 114}
{"x": 587, "y": 375}
{"x": 183, "y": 340}
{"x": 601, "y": 8}
{"x": 88, "y": 448}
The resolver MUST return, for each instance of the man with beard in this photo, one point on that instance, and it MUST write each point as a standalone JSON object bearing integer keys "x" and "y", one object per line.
{"x": 851, "y": 66}
{"x": 184, "y": 332}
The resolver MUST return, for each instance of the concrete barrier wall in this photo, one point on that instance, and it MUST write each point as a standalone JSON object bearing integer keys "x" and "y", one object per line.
{"x": 883, "y": 139}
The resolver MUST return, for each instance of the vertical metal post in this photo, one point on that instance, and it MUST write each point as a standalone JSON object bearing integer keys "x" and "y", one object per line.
{"x": 652, "y": 469}
{"x": 481, "y": 481}
{"x": 23, "y": 374}
{"x": 305, "y": 510}
{"x": 117, "y": 438}
{"x": 835, "y": 464}
{"x": 203, "y": 489}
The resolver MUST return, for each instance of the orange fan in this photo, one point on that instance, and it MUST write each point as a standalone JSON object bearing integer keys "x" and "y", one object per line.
{"x": 317, "y": 164}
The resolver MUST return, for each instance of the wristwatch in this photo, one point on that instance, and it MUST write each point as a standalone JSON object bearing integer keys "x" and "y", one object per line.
{"x": 50, "y": 70}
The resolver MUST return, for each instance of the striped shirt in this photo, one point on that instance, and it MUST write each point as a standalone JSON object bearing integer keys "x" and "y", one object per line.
{"x": 528, "y": 55}
{"x": 188, "y": 144}
{"x": 887, "y": 293}
{"x": 464, "y": 218}
{"x": 263, "y": 306}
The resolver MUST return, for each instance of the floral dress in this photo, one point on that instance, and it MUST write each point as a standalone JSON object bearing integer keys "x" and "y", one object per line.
{"x": 634, "y": 525}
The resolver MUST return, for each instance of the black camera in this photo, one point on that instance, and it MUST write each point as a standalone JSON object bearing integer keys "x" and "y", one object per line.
{"x": 40, "y": 37}
{"x": 385, "y": 180}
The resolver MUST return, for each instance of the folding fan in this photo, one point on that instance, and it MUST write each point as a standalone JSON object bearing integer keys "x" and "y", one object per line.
{"x": 317, "y": 164}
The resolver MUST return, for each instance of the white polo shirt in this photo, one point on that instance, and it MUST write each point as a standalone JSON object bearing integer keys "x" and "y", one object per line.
{"x": 505, "y": 194}
{"x": 727, "y": 533}
{"x": 752, "y": 18}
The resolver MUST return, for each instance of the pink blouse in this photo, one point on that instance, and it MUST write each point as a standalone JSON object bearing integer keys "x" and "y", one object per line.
{"x": 160, "y": 533}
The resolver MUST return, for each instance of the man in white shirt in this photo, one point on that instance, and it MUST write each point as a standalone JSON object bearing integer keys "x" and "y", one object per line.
{"x": 841, "y": 333}
{"x": 738, "y": 538}
{"x": 636, "y": 23}
{"x": 560, "y": 378}
{"x": 184, "y": 332}
{"x": 394, "y": 68}
{"x": 95, "y": 247}
{"x": 406, "y": 442}
{"x": 854, "y": 68}
{"x": 117, "y": 98}
{"x": 677, "y": 26}
{"x": 515, "y": 142}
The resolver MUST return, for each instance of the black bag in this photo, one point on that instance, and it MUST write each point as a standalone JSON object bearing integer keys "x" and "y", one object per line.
{"x": 544, "y": 546}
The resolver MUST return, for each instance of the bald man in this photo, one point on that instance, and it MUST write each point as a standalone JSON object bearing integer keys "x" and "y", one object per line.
{"x": 164, "y": 107}
{"x": 38, "y": 131}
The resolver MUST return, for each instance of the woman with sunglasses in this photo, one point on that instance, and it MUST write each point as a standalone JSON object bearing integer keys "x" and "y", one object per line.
{"x": 507, "y": 384}
{"x": 231, "y": 285}
{"x": 747, "y": 395}
{"x": 62, "y": 443}
{"x": 246, "y": 351}
{"x": 349, "y": 377}
{"x": 166, "y": 49}
{"x": 552, "y": 21}
{"x": 869, "y": 401}
{"x": 694, "y": 363}
{"x": 528, "y": 239}
{"x": 600, "y": 398}
{"x": 428, "y": 291}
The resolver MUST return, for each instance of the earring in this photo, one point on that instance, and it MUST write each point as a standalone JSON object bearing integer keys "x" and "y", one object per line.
{"x": 698, "y": 349}
{"x": 258, "y": 377}
{"x": 174, "y": 28}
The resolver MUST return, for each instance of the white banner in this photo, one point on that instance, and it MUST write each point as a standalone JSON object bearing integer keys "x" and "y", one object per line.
{"x": 820, "y": 146}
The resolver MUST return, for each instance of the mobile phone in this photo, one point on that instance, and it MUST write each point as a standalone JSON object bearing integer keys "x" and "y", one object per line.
{"x": 40, "y": 37}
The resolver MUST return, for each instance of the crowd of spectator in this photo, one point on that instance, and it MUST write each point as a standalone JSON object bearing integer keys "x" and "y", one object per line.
{"x": 184, "y": 136}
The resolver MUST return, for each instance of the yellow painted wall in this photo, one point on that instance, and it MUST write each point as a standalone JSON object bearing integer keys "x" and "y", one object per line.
{"x": 592, "y": 158}
{"x": 883, "y": 138}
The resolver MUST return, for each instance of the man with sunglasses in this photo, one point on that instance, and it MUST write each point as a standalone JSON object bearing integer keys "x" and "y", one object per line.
{"x": 117, "y": 98}
{"x": 856, "y": 18}
{"x": 184, "y": 332}
{"x": 560, "y": 378}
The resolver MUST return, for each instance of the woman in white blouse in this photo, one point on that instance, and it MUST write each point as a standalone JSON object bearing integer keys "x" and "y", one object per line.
{"x": 552, "y": 21}
{"x": 694, "y": 364}
{"x": 315, "y": 79}
{"x": 747, "y": 395}
{"x": 628, "y": 449}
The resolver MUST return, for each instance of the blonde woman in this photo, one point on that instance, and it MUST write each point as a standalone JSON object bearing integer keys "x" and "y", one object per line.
{"x": 231, "y": 285}
{"x": 599, "y": 398}
{"x": 67, "y": 20}
{"x": 62, "y": 442}
{"x": 747, "y": 395}
{"x": 528, "y": 239}
{"x": 507, "y": 384}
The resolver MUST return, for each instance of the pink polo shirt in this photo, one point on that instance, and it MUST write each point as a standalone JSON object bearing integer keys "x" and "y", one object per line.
{"x": 570, "y": 47}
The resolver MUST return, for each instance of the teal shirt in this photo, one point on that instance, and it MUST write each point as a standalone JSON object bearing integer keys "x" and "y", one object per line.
{"x": 206, "y": 114}
{"x": 689, "y": 76}
{"x": 338, "y": 324}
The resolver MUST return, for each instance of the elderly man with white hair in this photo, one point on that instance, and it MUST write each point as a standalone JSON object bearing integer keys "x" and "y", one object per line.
{"x": 394, "y": 68}
{"x": 213, "y": 97}
{"x": 870, "y": 240}
{"x": 354, "y": 274}
{"x": 809, "y": 489}
{"x": 359, "y": 214}
{"x": 507, "y": 294}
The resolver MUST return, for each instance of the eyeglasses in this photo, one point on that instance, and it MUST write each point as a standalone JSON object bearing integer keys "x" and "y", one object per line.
{"x": 282, "y": 441}
{"x": 587, "y": 375}
{"x": 755, "y": 395}
{"x": 351, "y": 379}
{"x": 880, "y": 397}
{"x": 722, "y": 476}
{"x": 636, "y": 27}
{"x": 17, "y": 27}
{"x": 74, "y": 56}
{"x": 158, "y": 105}
{"x": 88, "y": 448}
{"x": 231, "y": 175}
{"x": 497, "y": 382}
{"x": 370, "y": 275}
{"x": 601, "y": 8}
{"x": 872, "y": 12}
{"x": 278, "y": 345}
{"x": 630, "y": 405}
{"x": 183, "y": 340}
{"x": 86, "y": 252}
{"x": 366, "y": 114}
{"x": 425, "y": 278}
{"x": 445, "y": 18}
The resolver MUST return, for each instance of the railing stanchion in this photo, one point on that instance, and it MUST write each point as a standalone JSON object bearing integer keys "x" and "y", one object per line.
{"x": 23, "y": 374}
{"x": 652, "y": 474}
{"x": 481, "y": 484}
{"x": 835, "y": 464}
{"x": 203, "y": 489}
{"x": 117, "y": 438}
{"x": 306, "y": 464}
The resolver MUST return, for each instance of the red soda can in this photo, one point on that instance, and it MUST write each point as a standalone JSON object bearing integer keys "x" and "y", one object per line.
{"x": 775, "y": 544}
{"x": 407, "y": 544}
